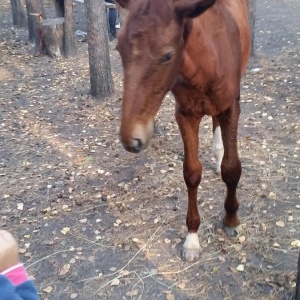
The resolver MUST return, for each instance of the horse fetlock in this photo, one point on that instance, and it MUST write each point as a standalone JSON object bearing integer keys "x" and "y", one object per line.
{"x": 191, "y": 248}
{"x": 230, "y": 225}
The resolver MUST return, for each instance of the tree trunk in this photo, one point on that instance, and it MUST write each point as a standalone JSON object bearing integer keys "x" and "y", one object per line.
{"x": 18, "y": 13}
{"x": 59, "y": 8}
{"x": 31, "y": 30}
{"x": 252, "y": 13}
{"x": 35, "y": 13}
{"x": 53, "y": 35}
{"x": 70, "y": 46}
{"x": 100, "y": 70}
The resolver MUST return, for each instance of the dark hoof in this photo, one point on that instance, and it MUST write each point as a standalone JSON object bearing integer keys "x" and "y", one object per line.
{"x": 230, "y": 231}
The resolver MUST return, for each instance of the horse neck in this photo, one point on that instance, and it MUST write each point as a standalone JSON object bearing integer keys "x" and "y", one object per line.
{"x": 196, "y": 52}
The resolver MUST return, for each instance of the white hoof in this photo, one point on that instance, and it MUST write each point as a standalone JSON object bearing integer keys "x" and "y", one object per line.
{"x": 191, "y": 248}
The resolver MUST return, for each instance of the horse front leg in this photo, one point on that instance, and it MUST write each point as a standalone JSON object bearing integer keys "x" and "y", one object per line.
{"x": 192, "y": 170}
{"x": 231, "y": 165}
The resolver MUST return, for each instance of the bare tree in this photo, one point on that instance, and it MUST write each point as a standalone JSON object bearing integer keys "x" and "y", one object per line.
{"x": 252, "y": 13}
{"x": 100, "y": 70}
{"x": 35, "y": 13}
{"x": 70, "y": 46}
{"x": 18, "y": 13}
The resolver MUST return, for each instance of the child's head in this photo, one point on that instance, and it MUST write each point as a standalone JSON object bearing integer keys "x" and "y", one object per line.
{"x": 9, "y": 254}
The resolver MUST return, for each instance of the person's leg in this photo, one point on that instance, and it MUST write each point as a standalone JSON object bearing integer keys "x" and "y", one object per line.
{"x": 112, "y": 21}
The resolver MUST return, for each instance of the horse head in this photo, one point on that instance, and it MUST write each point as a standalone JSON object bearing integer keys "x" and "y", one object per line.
{"x": 150, "y": 44}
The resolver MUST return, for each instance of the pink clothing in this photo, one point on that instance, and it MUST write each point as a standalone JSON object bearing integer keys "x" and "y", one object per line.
{"x": 16, "y": 274}
{"x": 15, "y": 284}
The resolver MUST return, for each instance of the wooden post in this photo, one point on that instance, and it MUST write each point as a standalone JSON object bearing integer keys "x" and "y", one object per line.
{"x": 252, "y": 13}
{"x": 70, "y": 46}
{"x": 97, "y": 35}
{"x": 18, "y": 13}
{"x": 53, "y": 35}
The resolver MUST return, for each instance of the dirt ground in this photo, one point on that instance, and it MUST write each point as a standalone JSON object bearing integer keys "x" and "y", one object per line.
{"x": 96, "y": 222}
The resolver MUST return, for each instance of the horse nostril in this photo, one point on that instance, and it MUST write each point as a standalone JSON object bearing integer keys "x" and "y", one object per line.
{"x": 137, "y": 145}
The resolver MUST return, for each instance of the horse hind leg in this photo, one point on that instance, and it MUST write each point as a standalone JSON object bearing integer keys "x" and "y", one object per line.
{"x": 231, "y": 165}
{"x": 217, "y": 148}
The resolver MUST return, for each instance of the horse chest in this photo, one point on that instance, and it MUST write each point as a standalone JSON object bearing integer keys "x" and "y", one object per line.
{"x": 204, "y": 100}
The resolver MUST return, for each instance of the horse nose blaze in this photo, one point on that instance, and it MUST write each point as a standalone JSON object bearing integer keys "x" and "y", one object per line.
{"x": 135, "y": 138}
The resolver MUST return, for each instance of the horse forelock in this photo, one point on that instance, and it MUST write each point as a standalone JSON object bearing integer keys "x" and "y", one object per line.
{"x": 149, "y": 12}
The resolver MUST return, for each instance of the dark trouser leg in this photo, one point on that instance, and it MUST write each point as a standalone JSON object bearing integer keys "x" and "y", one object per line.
{"x": 112, "y": 18}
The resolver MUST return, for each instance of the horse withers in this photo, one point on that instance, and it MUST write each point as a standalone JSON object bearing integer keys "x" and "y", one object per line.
{"x": 198, "y": 50}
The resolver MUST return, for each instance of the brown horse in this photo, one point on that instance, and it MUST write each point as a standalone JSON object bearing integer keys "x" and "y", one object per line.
{"x": 198, "y": 49}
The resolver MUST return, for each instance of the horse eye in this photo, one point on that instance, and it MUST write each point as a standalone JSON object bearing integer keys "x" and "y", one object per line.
{"x": 166, "y": 58}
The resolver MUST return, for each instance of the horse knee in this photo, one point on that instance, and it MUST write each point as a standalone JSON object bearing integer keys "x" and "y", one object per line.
{"x": 231, "y": 172}
{"x": 192, "y": 175}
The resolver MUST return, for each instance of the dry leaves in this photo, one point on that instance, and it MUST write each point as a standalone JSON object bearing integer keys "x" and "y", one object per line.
{"x": 65, "y": 230}
{"x": 295, "y": 243}
{"x": 115, "y": 281}
{"x": 48, "y": 289}
{"x": 280, "y": 223}
{"x": 170, "y": 296}
{"x": 132, "y": 293}
{"x": 65, "y": 269}
{"x": 240, "y": 268}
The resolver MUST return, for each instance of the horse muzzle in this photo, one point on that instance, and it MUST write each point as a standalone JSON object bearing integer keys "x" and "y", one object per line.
{"x": 136, "y": 139}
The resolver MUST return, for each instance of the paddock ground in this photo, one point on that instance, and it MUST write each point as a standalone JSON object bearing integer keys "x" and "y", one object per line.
{"x": 96, "y": 222}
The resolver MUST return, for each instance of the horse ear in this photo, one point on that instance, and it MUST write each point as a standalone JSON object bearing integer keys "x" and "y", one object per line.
{"x": 123, "y": 3}
{"x": 192, "y": 8}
